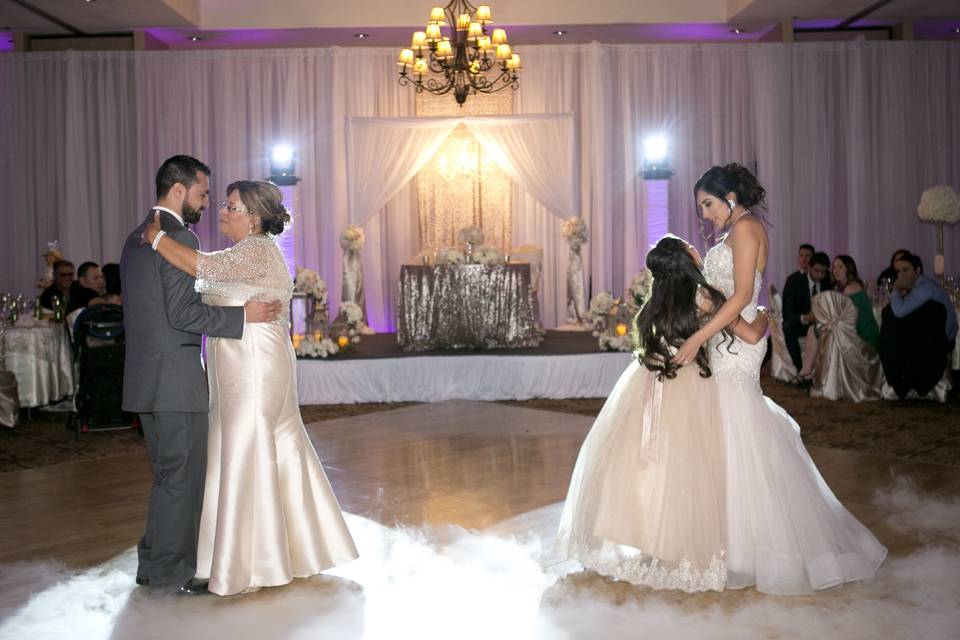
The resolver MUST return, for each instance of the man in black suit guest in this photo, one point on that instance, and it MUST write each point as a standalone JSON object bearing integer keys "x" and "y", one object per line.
{"x": 797, "y": 293}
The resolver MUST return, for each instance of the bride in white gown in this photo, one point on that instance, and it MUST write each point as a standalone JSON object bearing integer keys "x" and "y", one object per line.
{"x": 786, "y": 531}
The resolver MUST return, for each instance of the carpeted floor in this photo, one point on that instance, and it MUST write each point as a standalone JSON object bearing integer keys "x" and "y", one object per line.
{"x": 919, "y": 431}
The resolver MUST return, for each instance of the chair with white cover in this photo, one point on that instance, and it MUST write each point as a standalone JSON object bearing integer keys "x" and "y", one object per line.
{"x": 781, "y": 365}
{"x": 533, "y": 255}
{"x": 847, "y": 367}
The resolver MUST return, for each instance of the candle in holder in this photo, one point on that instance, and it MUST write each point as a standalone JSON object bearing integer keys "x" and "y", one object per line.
{"x": 318, "y": 335}
{"x": 621, "y": 329}
{"x": 343, "y": 341}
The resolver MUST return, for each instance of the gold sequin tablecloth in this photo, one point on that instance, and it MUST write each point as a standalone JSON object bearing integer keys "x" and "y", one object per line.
{"x": 470, "y": 306}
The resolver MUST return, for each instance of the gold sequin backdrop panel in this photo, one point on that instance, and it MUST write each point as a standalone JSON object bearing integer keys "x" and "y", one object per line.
{"x": 461, "y": 185}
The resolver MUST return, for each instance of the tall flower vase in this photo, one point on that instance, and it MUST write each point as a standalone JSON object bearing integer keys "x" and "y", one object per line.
{"x": 576, "y": 305}
{"x": 352, "y": 286}
{"x": 938, "y": 260}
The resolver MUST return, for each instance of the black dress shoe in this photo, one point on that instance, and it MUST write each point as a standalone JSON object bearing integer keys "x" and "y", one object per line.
{"x": 193, "y": 588}
{"x": 143, "y": 582}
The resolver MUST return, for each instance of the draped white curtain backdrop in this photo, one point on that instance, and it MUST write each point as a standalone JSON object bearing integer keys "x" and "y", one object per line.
{"x": 845, "y": 137}
{"x": 536, "y": 151}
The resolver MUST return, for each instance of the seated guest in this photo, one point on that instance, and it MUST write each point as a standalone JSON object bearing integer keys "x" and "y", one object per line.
{"x": 847, "y": 281}
{"x": 111, "y": 278}
{"x": 918, "y": 330}
{"x": 63, "y": 287}
{"x": 890, "y": 273}
{"x": 91, "y": 285}
{"x": 797, "y": 292}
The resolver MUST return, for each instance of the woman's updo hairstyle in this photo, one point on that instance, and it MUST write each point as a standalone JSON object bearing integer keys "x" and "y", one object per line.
{"x": 719, "y": 181}
{"x": 263, "y": 199}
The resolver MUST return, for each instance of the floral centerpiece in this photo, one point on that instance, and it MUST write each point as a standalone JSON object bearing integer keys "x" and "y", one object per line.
{"x": 312, "y": 285}
{"x": 940, "y": 205}
{"x": 471, "y": 235}
{"x": 451, "y": 255}
{"x": 638, "y": 290}
{"x": 488, "y": 255}
{"x": 609, "y": 318}
{"x": 50, "y": 257}
{"x": 575, "y": 231}
{"x": 352, "y": 238}
{"x": 310, "y": 347}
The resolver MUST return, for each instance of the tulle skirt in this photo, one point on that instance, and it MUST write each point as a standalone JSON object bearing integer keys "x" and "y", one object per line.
{"x": 651, "y": 510}
{"x": 786, "y": 531}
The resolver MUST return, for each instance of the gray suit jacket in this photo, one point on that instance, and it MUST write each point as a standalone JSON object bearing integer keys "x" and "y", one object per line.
{"x": 164, "y": 318}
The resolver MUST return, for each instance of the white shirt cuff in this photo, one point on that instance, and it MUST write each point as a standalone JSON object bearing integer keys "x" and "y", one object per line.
{"x": 157, "y": 239}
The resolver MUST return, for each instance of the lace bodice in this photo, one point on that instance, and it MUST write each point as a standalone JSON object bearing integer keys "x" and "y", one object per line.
{"x": 739, "y": 359}
{"x": 252, "y": 269}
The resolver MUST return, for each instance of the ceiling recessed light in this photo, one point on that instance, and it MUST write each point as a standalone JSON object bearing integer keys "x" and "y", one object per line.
{"x": 738, "y": 31}
{"x": 957, "y": 30}
{"x": 361, "y": 35}
{"x": 560, "y": 32}
{"x": 194, "y": 38}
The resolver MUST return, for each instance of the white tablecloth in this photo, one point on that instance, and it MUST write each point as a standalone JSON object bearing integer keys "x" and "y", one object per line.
{"x": 38, "y": 353}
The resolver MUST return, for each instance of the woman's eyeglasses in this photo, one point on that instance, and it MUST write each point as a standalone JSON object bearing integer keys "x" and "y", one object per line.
{"x": 232, "y": 209}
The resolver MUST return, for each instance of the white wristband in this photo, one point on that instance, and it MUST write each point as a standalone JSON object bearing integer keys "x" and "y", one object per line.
{"x": 157, "y": 239}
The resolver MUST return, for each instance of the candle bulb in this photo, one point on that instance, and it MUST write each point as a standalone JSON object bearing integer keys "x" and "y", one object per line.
{"x": 503, "y": 52}
{"x": 514, "y": 62}
{"x": 483, "y": 14}
{"x": 419, "y": 40}
{"x": 499, "y": 36}
{"x": 463, "y": 22}
{"x": 433, "y": 33}
{"x": 484, "y": 43}
{"x": 420, "y": 66}
{"x": 437, "y": 15}
{"x": 406, "y": 58}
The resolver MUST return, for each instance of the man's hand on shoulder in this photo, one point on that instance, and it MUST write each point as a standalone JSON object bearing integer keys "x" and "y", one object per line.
{"x": 256, "y": 311}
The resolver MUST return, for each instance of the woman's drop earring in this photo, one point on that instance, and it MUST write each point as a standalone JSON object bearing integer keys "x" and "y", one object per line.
{"x": 731, "y": 204}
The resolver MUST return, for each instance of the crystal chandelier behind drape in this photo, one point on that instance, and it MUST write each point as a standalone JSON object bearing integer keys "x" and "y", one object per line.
{"x": 464, "y": 58}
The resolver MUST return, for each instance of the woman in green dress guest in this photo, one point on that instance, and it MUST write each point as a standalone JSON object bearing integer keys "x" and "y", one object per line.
{"x": 846, "y": 280}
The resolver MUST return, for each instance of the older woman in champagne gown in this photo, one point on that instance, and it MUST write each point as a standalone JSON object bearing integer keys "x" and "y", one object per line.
{"x": 269, "y": 513}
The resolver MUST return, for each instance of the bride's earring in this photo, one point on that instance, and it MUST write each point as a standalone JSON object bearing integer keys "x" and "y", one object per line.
{"x": 731, "y": 204}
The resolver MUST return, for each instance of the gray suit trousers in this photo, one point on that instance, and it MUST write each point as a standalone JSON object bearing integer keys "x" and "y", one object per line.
{"x": 177, "y": 446}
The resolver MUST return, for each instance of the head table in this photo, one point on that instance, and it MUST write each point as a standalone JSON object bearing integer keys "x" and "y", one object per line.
{"x": 38, "y": 353}
{"x": 466, "y": 306}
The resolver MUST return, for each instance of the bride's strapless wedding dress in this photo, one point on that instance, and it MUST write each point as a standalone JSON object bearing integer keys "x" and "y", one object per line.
{"x": 269, "y": 513}
{"x": 786, "y": 531}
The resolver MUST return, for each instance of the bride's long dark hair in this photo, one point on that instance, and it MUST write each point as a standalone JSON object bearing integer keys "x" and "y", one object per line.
{"x": 670, "y": 315}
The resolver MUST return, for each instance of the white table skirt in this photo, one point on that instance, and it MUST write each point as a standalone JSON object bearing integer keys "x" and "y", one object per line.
{"x": 38, "y": 353}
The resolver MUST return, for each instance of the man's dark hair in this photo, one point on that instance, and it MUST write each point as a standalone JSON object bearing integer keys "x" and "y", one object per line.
{"x": 820, "y": 258}
{"x": 182, "y": 169}
{"x": 86, "y": 266}
{"x": 61, "y": 263}
{"x": 808, "y": 247}
{"x": 914, "y": 260}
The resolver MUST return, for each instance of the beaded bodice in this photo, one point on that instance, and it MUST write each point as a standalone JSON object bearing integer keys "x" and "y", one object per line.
{"x": 252, "y": 269}
{"x": 739, "y": 359}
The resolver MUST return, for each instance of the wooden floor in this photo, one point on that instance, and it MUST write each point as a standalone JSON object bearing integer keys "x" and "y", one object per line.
{"x": 481, "y": 466}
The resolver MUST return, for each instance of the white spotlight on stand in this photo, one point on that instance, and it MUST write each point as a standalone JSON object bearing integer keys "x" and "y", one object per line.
{"x": 655, "y": 165}
{"x": 656, "y": 174}
{"x": 283, "y": 165}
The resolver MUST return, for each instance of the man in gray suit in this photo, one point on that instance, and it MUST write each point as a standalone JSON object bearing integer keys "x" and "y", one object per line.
{"x": 163, "y": 379}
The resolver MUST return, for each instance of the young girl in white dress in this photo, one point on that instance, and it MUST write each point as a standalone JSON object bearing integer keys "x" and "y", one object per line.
{"x": 646, "y": 502}
{"x": 786, "y": 531}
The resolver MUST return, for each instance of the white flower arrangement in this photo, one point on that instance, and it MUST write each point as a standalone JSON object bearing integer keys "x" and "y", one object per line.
{"x": 575, "y": 231}
{"x": 311, "y": 348}
{"x": 616, "y": 343}
{"x": 939, "y": 204}
{"x": 352, "y": 238}
{"x": 471, "y": 235}
{"x": 488, "y": 255}
{"x": 308, "y": 282}
{"x": 638, "y": 290}
{"x": 451, "y": 256}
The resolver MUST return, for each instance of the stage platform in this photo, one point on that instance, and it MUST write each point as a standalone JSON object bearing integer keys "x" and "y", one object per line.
{"x": 567, "y": 364}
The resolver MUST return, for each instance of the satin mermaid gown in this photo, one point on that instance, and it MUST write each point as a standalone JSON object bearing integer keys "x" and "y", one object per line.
{"x": 786, "y": 531}
{"x": 269, "y": 513}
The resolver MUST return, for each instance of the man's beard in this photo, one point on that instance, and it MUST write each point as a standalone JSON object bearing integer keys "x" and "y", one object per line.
{"x": 191, "y": 215}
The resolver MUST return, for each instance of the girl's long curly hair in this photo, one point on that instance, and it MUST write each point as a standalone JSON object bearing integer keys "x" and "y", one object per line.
{"x": 671, "y": 315}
